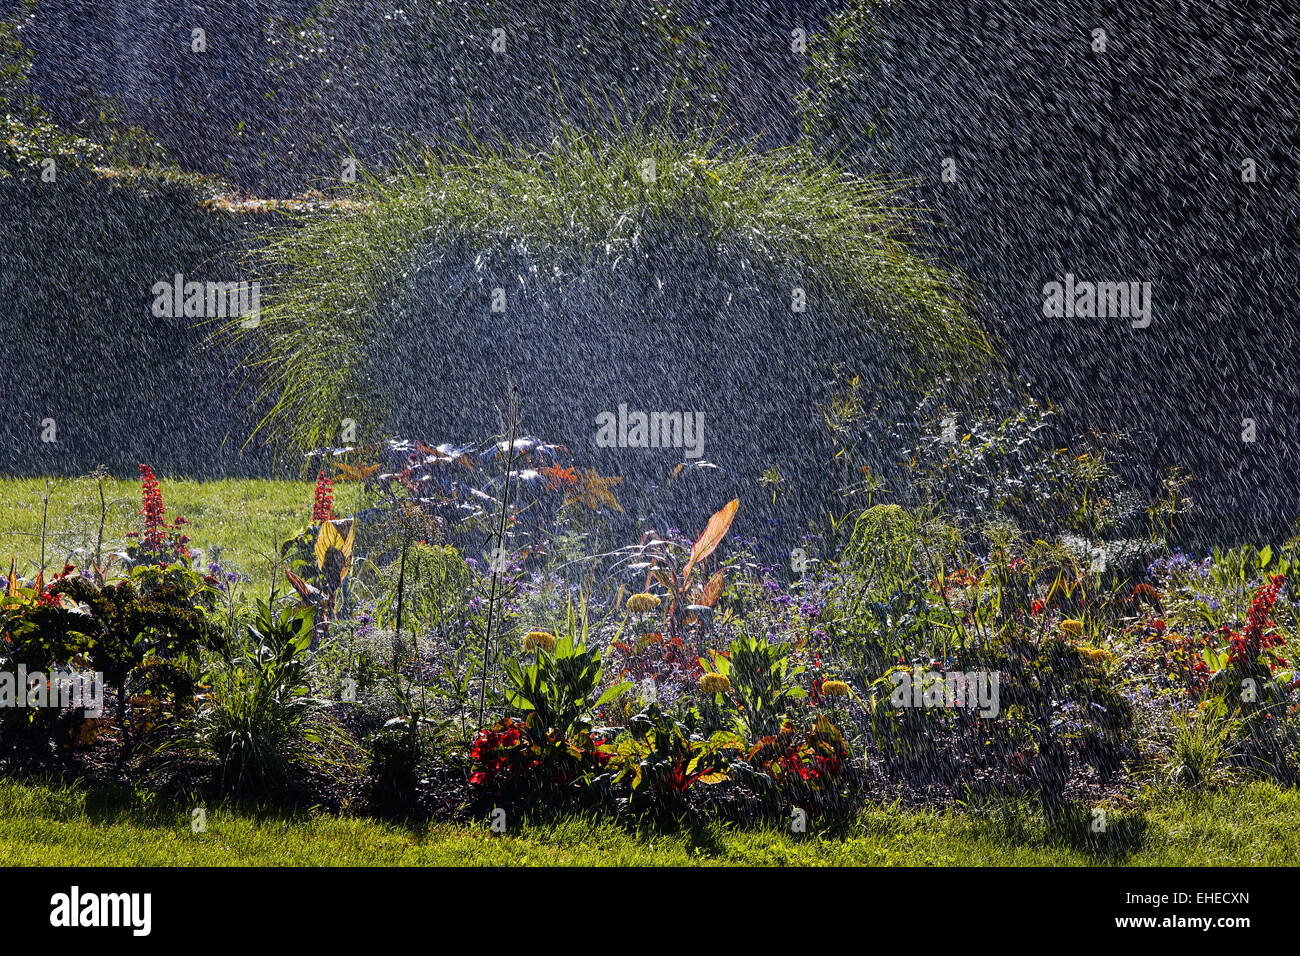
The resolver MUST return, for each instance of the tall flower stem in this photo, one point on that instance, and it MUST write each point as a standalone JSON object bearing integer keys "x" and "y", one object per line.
{"x": 401, "y": 588}
{"x": 498, "y": 553}
{"x": 103, "y": 513}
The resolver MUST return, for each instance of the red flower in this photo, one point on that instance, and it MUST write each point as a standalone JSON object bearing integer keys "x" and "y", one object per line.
{"x": 155, "y": 524}
{"x": 322, "y": 508}
{"x": 1259, "y": 634}
{"x": 159, "y": 538}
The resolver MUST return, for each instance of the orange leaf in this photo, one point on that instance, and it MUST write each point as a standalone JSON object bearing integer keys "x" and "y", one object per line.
{"x": 713, "y": 534}
{"x": 712, "y": 591}
{"x": 355, "y": 472}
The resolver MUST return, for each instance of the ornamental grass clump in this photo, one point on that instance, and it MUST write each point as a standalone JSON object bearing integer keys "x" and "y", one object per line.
{"x": 582, "y": 208}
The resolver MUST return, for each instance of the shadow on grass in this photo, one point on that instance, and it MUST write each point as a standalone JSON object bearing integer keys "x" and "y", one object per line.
{"x": 119, "y": 802}
{"x": 1103, "y": 834}
{"x": 1109, "y": 838}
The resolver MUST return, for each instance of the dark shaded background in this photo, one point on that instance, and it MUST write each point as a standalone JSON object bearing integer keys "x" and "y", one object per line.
{"x": 1123, "y": 165}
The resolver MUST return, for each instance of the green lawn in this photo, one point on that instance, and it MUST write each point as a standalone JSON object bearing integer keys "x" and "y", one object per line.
{"x": 244, "y": 518}
{"x": 1253, "y": 824}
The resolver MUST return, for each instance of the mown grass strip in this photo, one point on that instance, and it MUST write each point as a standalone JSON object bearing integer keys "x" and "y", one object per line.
{"x": 1256, "y": 824}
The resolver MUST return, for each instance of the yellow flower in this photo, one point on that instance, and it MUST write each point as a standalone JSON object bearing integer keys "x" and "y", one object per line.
{"x": 638, "y": 603}
{"x": 714, "y": 684}
{"x": 835, "y": 688}
{"x": 539, "y": 640}
{"x": 1098, "y": 654}
{"x": 1072, "y": 627}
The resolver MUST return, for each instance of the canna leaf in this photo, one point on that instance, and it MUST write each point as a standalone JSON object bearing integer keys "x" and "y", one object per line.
{"x": 712, "y": 535}
{"x": 712, "y": 590}
{"x": 328, "y": 537}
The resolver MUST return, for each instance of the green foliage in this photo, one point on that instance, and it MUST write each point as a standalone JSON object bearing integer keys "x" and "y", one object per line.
{"x": 1170, "y": 504}
{"x": 1246, "y": 688}
{"x": 395, "y": 756}
{"x": 435, "y": 589}
{"x": 257, "y": 720}
{"x": 1231, "y": 579}
{"x": 871, "y": 626}
{"x": 663, "y": 757}
{"x": 561, "y": 686}
{"x": 989, "y": 463}
{"x": 909, "y": 733}
{"x": 1064, "y": 704}
{"x": 121, "y": 625}
{"x": 836, "y": 108}
{"x": 15, "y": 60}
{"x": 1200, "y": 746}
{"x": 888, "y": 549}
{"x": 124, "y": 146}
{"x": 28, "y": 136}
{"x": 763, "y": 683}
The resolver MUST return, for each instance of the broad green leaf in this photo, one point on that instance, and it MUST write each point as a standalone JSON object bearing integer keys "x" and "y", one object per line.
{"x": 613, "y": 692}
